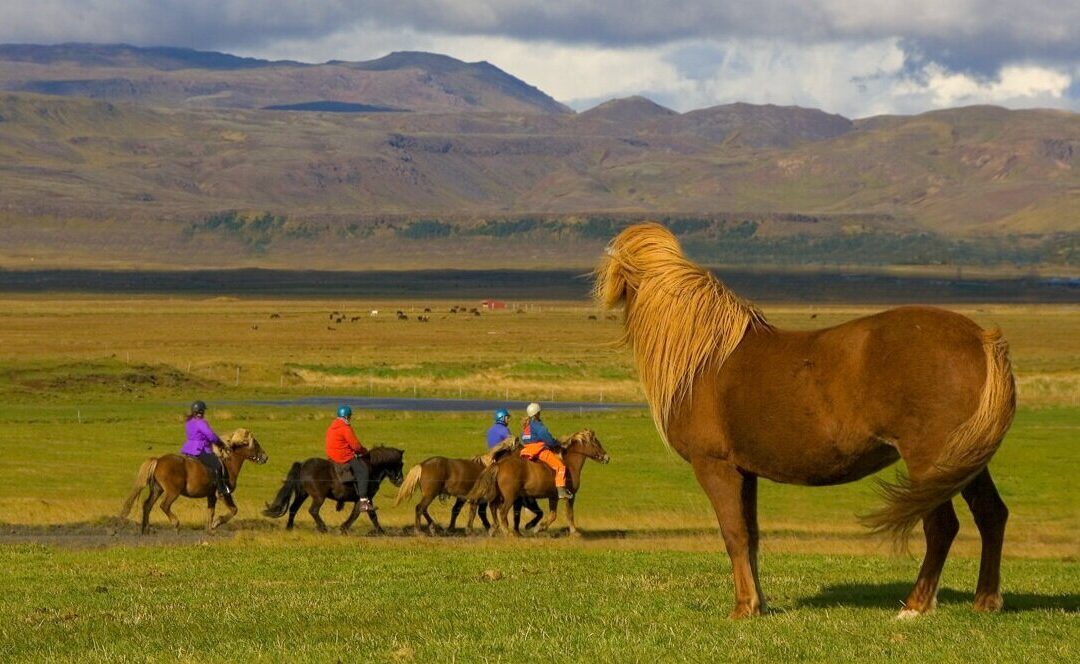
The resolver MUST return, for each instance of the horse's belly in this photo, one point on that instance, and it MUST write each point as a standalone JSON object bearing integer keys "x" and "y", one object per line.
{"x": 821, "y": 463}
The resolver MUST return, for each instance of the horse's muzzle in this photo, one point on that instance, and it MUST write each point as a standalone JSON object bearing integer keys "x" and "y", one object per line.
{"x": 262, "y": 459}
{"x": 605, "y": 459}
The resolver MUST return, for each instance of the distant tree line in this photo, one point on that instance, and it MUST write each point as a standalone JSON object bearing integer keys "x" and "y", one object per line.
{"x": 719, "y": 239}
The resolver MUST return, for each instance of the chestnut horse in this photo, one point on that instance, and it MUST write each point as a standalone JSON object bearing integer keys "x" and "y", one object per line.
{"x": 440, "y": 476}
{"x": 176, "y": 475}
{"x": 740, "y": 399}
{"x": 313, "y": 478}
{"x": 513, "y": 477}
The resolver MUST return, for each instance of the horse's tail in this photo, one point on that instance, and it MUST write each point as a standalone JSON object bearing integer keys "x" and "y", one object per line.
{"x": 285, "y": 493}
{"x": 412, "y": 480}
{"x": 142, "y": 480}
{"x": 486, "y": 487}
{"x": 965, "y": 453}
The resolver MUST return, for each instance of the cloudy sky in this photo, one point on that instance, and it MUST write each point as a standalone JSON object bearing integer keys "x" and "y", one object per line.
{"x": 854, "y": 57}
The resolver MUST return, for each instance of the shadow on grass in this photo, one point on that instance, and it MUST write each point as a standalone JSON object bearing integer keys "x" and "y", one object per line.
{"x": 890, "y": 596}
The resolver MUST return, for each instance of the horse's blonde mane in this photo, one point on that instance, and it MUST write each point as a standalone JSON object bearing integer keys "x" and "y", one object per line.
{"x": 678, "y": 317}
{"x": 239, "y": 438}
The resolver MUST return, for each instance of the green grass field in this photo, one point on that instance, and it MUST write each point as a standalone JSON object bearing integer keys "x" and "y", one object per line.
{"x": 649, "y": 581}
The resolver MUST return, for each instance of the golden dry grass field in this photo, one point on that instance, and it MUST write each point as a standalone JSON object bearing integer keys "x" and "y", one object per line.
{"x": 104, "y": 379}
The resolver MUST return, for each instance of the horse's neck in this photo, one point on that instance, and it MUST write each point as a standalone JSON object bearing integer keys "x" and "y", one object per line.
{"x": 574, "y": 461}
{"x": 233, "y": 464}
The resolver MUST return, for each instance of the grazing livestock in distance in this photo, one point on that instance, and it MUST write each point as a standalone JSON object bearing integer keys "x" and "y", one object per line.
{"x": 741, "y": 399}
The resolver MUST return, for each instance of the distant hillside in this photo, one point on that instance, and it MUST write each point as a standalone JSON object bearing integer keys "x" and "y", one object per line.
{"x": 183, "y": 78}
{"x": 349, "y": 184}
{"x": 129, "y": 183}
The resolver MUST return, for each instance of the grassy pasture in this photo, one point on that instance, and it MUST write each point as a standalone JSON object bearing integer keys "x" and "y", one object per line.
{"x": 90, "y": 386}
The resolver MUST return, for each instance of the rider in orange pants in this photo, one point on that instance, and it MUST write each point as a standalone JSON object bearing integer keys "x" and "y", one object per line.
{"x": 538, "y": 446}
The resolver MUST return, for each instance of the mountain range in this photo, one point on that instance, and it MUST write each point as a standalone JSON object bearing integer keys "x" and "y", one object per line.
{"x": 173, "y": 157}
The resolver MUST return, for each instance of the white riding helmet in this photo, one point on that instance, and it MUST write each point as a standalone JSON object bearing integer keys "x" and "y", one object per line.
{"x": 533, "y": 409}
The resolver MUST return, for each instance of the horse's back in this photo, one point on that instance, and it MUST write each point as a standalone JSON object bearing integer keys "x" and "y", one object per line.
{"x": 530, "y": 478}
{"x": 786, "y": 400}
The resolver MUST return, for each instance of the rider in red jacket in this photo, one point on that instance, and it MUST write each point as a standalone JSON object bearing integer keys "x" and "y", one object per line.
{"x": 342, "y": 446}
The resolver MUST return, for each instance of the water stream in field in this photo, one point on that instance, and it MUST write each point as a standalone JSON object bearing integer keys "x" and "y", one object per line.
{"x": 432, "y": 405}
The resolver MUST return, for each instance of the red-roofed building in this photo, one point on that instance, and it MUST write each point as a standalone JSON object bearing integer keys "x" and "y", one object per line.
{"x": 491, "y": 305}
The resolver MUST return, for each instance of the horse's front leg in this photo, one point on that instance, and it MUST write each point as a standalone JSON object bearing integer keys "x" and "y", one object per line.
{"x": 553, "y": 513}
{"x": 455, "y": 510}
{"x": 353, "y": 515}
{"x": 376, "y": 528}
{"x": 733, "y": 495}
{"x": 211, "y": 501}
{"x": 221, "y": 520}
{"x": 570, "y": 517}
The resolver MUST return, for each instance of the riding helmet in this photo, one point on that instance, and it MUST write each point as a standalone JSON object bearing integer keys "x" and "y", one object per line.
{"x": 198, "y": 407}
{"x": 344, "y": 411}
{"x": 501, "y": 416}
{"x": 533, "y": 409}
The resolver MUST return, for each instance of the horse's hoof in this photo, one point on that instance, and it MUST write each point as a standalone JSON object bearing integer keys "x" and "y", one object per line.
{"x": 574, "y": 533}
{"x": 908, "y": 614}
{"x": 745, "y": 611}
{"x": 989, "y": 603}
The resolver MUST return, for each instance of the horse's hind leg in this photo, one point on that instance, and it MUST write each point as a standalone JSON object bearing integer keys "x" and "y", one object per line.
{"x": 990, "y": 516}
{"x": 169, "y": 499}
{"x": 298, "y": 499}
{"x": 940, "y": 527}
{"x": 316, "y": 504}
{"x": 148, "y": 504}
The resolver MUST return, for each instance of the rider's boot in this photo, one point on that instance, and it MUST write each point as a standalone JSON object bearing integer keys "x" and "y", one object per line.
{"x": 364, "y": 502}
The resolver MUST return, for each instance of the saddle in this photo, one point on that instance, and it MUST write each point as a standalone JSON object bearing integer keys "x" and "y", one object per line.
{"x": 499, "y": 451}
{"x": 341, "y": 475}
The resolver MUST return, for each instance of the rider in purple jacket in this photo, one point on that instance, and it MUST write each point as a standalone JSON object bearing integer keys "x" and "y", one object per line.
{"x": 200, "y": 446}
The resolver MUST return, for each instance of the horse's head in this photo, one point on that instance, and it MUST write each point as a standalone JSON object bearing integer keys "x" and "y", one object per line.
{"x": 586, "y": 443}
{"x": 388, "y": 462}
{"x": 242, "y": 442}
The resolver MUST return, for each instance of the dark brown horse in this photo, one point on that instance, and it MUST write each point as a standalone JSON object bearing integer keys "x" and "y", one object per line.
{"x": 740, "y": 399}
{"x": 175, "y": 475}
{"x": 512, "y": 477}
{"x": 313, "y": 478}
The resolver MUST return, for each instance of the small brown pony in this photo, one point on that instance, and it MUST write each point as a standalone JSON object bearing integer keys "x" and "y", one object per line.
{"x": 176, "y": 475}
{"x": 740, "y": 399}
{"x": 513, "y": 477}
{"x": 314, "y": 478}
{"x": 441, "y": 476}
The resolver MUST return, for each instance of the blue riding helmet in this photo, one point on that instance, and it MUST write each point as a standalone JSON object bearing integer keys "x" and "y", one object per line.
{"x": 344, "y": 411}
{"x": 502, "y": 415}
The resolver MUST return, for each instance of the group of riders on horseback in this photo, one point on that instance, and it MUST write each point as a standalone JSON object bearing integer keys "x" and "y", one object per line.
{"x": 351, "y": 465}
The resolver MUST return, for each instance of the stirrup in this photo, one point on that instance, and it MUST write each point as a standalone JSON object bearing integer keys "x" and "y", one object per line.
{"x": 565, "y": 493}
{"x": 366, "y": 505}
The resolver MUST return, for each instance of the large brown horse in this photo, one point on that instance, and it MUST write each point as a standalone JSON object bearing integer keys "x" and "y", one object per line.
{"x": 512, "y": 477}
{"x": 175, "y": 475}
{"x": 740, "y": 399}
{"x": 314, "y": 478}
